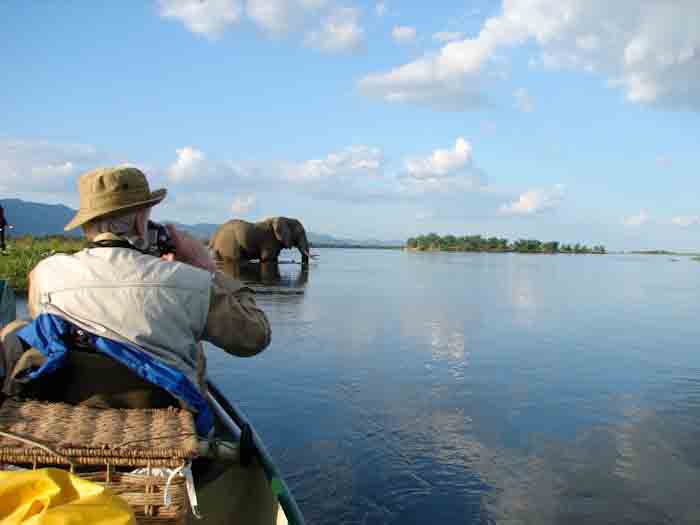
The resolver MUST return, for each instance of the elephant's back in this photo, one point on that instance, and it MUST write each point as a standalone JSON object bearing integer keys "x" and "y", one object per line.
{"x": 230, "y": 230}
{"x": 236, "y": 239}
{"x": 235, "y": 223}
{"x": 224, "y": 236}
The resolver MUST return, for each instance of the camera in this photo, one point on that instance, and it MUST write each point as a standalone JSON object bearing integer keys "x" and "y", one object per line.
{"x": 159, "y": 240}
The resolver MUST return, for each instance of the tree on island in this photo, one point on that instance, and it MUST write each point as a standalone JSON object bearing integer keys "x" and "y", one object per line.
{"x": 477, "y": 243}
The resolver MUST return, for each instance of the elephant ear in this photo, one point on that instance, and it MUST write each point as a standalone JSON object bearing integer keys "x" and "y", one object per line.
{"x": 282, "y": 231}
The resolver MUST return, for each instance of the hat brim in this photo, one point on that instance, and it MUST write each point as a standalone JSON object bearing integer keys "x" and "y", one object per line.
{"x": 85, "y": 216}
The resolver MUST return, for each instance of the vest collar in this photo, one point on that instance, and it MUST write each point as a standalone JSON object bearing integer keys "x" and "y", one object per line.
{"x": 108, "y": 237}
{"x": 110, "y": 240}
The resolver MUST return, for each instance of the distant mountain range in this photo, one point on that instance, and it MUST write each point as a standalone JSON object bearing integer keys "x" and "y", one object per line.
{"x": 33, "y": 218}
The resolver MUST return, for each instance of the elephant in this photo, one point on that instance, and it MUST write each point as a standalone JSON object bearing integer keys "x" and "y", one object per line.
{"x": 238, "y": 240}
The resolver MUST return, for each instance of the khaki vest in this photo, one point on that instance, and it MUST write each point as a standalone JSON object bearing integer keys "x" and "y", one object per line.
{"x": 126, "y": 296}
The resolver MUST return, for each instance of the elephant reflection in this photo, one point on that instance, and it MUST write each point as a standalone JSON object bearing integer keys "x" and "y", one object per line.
{"x": 263, "y": 273}
{"x": 239, "y": 240}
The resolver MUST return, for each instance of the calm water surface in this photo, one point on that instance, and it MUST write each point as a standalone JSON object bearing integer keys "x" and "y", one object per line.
{"x": 455, "y": 388}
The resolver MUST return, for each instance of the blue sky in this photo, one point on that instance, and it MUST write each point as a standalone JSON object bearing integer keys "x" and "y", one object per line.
{"x": 571, "y": 120}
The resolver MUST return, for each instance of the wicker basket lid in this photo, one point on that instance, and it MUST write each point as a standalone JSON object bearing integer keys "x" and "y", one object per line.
{"x": 92, "y": 436}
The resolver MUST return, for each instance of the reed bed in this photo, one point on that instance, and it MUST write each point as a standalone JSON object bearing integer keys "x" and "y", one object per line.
{"x": 23, "y": 253}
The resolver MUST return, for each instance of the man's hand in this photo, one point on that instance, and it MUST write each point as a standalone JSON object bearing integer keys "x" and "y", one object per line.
{"x": 189, "y": 250}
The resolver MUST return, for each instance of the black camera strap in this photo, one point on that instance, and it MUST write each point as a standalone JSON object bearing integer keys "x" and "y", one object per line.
{"x": 115, "y": 243}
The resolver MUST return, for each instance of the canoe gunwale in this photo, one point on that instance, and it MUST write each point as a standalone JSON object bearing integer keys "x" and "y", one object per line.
{"x": 234, "y": 419}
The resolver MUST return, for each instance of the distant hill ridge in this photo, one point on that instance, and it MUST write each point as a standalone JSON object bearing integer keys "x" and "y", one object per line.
{"x": 34, "y": 218}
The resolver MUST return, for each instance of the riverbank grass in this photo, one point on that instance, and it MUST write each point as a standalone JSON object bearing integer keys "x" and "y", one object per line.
{"x": 23, "y": 253}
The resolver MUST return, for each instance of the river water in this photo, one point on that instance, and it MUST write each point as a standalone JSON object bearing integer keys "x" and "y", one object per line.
{"x": 479, "y": 388}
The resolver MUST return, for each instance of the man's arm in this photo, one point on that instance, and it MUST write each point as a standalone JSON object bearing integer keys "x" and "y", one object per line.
{"x": 234, "y": 322}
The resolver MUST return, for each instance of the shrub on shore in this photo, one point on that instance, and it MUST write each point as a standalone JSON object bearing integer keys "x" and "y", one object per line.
{"x": 23, "y": 253}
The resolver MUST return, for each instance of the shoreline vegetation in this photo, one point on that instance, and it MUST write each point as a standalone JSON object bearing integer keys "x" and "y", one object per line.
{"x": 23, "y": 253}
{"x": 477, "y": 243}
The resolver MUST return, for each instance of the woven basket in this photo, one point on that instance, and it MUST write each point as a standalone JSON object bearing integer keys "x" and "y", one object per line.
{"x": 40, "y": 434}
{"x": 145, "y": 496}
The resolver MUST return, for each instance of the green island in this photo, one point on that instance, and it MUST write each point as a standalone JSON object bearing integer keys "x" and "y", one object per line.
{"x": 477, "y": 243}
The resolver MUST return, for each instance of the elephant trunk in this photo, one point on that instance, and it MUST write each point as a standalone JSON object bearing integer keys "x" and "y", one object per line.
{"x": 303, "y": 246}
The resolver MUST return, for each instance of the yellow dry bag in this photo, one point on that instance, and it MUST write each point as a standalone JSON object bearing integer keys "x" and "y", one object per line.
{"x": 51, "y": 496}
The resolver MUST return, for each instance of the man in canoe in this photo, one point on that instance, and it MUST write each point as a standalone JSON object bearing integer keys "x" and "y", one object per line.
{"x": 119, "y": 324}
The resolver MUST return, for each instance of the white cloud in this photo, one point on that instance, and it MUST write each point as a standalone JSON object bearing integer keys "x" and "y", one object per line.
{"x": 447, "y": 36}
{"x": 244, "y": 204}
{"x": 444, "y": 170}
{"x": 588, "y": 42}
{"x": 354, "y": 161}
{"x": 275, "y": 16}
{"x": 191, "y": 163}
{"x": 326, "y": 25}
{"x": 380, "y": 9}
{"x": 404, "y": 34}
{"x": 41, "y": 166}
{"x": 636, "y": 220}
{"x": 650, "y": 49}
{"x": 281, "y": 16}
{"x": 534, "y": 201}
{"x": 206, "y": 17}
{"x": 62, "y": 169}
{"x": 523, "y": 101}
{"x": 194, "y": 171}
{"x": 348, "y": 174}
{"x": 685, "y": 221}
{"x": 355, "y": 173}
{"x": 441, "y": 162}
{"x": 339, "y": 32}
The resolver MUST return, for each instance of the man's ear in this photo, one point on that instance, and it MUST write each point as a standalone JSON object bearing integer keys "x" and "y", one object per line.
{"x": 142, "y": 217}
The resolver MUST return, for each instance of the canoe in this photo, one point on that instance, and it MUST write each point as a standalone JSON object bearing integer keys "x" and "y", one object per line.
{"x": 249, "y": 490}
{"x": 7, "y": 303}
{"x": 229, "y": 478}
{"x": 232, "y": 424}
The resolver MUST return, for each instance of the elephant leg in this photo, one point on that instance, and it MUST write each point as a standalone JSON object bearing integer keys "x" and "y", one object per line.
{"x": 303, "y": 277}
{"x": 270, "y": 272}
{"x": 236, "y": 254}
{"x": 269, "y": 256}
{"x": 216, "y": 254}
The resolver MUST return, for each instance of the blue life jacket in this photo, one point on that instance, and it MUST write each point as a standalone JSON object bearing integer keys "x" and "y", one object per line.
{"x": 48, "y": 334}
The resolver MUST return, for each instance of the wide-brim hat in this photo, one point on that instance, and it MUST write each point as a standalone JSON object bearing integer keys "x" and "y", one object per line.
{"x": 105, "y": 191}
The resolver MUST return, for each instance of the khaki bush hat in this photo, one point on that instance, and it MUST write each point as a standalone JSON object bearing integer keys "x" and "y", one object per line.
{"x": 108, "y": 190}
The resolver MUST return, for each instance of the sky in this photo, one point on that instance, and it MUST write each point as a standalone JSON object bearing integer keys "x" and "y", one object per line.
{"x": 568, "y": 120}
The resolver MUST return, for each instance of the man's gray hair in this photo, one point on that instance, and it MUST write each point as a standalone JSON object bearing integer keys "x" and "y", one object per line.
{"x": 123, "y": 225}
